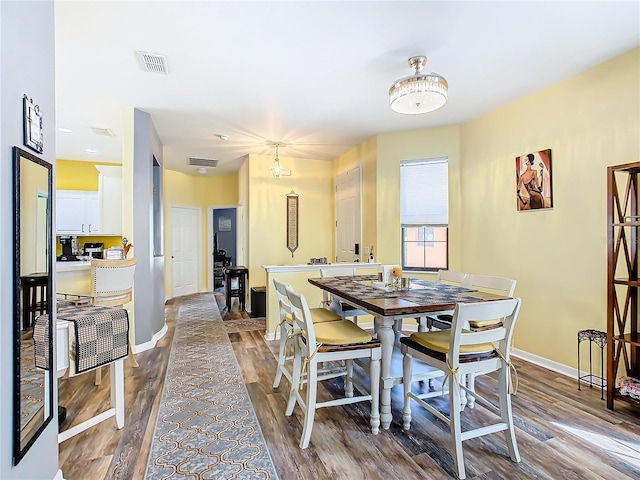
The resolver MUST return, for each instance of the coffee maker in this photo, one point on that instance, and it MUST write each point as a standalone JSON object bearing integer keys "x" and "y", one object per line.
{"x": 68, "y": 254}
{"x": 93, "y": 249}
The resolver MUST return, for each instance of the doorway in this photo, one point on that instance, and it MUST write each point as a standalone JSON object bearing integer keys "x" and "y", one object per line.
{"x": 224, "y": 246}
{"x": 185, "y": 235}
{"x": 348, "y": 216}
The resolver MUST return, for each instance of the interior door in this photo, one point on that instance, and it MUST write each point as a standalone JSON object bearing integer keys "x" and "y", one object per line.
{"x": 185, "y": 233}
{"x": 348, "y": 215}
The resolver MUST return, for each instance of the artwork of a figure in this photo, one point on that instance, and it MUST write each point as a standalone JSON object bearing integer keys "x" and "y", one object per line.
{"x": 533, "y": 181}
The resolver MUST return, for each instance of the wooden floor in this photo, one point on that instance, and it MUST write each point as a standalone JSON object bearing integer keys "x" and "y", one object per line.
{"x": 562, "y": 433}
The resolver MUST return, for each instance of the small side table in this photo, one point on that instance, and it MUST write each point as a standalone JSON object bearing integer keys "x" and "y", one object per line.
{"x": 239, "y": 289}
{"x": 600, "y": 339}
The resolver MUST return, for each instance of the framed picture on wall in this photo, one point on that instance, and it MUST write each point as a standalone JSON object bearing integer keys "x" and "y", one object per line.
{"x": 224, "y": 224}
{"x": 533, "y": 181}
{"x": 32, "y": 125}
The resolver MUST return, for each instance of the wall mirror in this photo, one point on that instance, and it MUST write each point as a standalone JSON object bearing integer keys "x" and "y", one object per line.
{"x": 32, "y": 299}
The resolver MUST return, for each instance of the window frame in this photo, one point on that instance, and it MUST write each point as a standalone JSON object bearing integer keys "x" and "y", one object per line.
{"x": 424, "y": 242}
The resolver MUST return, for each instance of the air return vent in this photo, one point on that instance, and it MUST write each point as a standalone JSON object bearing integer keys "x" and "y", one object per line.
{"x": 107, "y": 132}
{"x": 153, "y": 62}
{"x": 203, "y": 162}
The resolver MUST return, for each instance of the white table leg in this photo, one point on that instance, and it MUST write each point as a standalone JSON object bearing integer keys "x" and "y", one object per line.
{"x": 117, "y": 390}
{"x": 386, "y": 335}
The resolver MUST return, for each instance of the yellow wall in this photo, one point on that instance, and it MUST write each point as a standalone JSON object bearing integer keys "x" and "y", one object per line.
{"x": 394, "y": 148}
{"x": 77, "y": 175}
{"x": 202, "y": 192}
{"x": 312, "y": 180}
{"x": 558, "y": 256}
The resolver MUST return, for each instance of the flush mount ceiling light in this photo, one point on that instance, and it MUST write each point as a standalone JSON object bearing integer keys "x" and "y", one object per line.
{"x": 418, "y": 93}
{"x": 276, "y": 169}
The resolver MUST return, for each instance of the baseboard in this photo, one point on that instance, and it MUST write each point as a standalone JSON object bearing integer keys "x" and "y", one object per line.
{"x": 58, "y": 476}
{"x": 546, "y": 363}
{"x": 151, "y": 343}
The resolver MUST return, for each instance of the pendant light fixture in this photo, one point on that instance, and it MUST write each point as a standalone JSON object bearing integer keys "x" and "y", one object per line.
{"x": 276, "y": 169}
{"x": 418, "y": 93}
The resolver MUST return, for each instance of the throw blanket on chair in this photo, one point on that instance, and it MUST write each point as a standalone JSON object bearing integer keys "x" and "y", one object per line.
{"x": 97, "y": 336}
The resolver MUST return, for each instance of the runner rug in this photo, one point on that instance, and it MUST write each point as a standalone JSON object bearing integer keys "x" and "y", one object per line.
{"x": 206, "y": 426}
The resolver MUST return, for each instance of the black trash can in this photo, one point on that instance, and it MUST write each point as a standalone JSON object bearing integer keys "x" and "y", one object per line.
{"x": 258, "y": 301}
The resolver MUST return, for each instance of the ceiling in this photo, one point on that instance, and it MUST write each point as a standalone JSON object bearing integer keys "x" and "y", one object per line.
{"x": 313, "y": 76}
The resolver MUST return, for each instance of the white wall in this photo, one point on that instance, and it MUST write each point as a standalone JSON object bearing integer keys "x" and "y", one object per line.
{"x": 27, "y": 67}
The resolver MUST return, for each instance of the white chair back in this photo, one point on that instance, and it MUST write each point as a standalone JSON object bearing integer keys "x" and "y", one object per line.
{"x": 498, "y": 285}
{"x": 283, "y": 300}
{"x": 452, "y": 277}
{"x": 302, "y": 321}
{"x": 337, "y": 271}
{"x": 507, "y": 310}
{"x": 112, "y": 281}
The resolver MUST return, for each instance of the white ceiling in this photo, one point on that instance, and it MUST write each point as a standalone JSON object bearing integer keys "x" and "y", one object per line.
{"x": 313, "y": 76}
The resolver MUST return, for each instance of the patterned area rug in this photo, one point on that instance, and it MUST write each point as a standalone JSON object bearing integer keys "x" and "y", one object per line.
{"x": 206, "y": 427}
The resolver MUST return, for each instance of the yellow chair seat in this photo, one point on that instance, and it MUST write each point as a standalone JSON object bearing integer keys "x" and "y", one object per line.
{"x": 485, "y": 323}
{"x": 319, "y": 315}
{"x": 438, "y": 341}
{"x": 343, "y": 332}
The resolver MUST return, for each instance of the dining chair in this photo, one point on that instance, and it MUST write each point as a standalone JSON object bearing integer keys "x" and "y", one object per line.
{"x": 112, "y": 286}
{"x": 319, "y": 315}
{"x": 330, "y": 301}
{"x": 459, "y": 353}
{"x": 327, "y": 342}
{"x": 450, "y": 277}
{"x": 498, "y": 285}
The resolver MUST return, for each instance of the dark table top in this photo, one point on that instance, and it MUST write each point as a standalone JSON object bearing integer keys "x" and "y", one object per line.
{"x": 422, "y": 297}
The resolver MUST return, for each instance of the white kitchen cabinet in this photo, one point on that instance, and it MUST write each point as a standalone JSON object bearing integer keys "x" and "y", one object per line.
{"x": 77, "y": 212}
{"x": 110, "y": 188}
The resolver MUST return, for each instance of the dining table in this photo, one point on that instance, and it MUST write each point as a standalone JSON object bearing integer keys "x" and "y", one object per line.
{"x": 388, "y": 304}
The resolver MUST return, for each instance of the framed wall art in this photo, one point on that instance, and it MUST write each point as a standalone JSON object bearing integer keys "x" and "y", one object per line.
{"x": 533, "y": 181}
{"x": 32, "y": 123}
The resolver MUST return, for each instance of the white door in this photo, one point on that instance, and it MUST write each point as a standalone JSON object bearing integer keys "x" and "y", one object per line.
{"x": 348, "y": 216}
{"x": 185, "y": 234}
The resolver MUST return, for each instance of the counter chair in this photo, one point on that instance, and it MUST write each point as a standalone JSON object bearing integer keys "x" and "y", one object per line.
{"x": 318, "y": 315}
{"x": 498, "y": 285}
{"x": 458, "y": 353}
{"x": 329, "y": 301}
{"x": 112, "y": 286}
{"x": 34, "y": 297}
{"x": 326, "y": 342}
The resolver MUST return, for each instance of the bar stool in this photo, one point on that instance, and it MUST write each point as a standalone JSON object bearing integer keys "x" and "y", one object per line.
{"x": 600, "y": 339}
{"x": 240, "y": 275}
{"x": 34, "y": 297}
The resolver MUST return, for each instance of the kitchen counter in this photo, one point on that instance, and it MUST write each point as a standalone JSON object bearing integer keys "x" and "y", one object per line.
{"x": 72, "y": 266}
{"x": 308, "y": 267}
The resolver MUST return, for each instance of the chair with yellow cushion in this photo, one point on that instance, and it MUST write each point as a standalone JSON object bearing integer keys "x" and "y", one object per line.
{"x": 486, "y": 283}
{"x": 459, "y": 353}
{"x": 319, "y": 315}
{"x": 327, "y": 342}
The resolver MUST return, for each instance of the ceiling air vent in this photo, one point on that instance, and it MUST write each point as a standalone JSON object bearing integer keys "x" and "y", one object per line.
{"x": 153, "y": 62}
{"x": 202, "y": 162}
{"x": 107, "y": 132}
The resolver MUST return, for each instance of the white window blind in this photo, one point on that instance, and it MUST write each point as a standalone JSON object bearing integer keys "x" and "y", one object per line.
{"x": 424, "y": 192}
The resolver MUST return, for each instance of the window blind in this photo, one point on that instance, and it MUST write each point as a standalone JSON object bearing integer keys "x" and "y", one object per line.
{"x": 424, "y": 192}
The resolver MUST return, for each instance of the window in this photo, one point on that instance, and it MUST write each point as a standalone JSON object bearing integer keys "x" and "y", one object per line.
{"x": 424, "y": 214}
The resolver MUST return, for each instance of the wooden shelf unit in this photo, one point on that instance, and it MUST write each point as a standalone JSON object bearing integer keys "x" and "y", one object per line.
{"x": 623, "y": 282}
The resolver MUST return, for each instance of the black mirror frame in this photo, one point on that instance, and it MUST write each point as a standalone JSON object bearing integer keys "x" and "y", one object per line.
{"x": 18, "y": 452}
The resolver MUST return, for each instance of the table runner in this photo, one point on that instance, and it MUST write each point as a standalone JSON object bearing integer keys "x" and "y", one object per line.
{"x": 436, "y": 292}
{"x": 97, "y": 336}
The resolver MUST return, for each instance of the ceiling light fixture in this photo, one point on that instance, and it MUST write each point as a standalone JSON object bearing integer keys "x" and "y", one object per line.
{"x": 418, "y": 93}
{"x": 222, "y": 136}
{"x": 276, "y": 169}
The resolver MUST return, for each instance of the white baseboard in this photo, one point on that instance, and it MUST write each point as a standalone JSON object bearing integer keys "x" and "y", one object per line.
{"x": 151, "y": 343}
{"x": 549, "y": 364}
